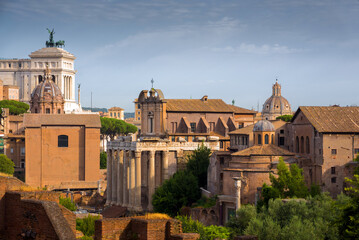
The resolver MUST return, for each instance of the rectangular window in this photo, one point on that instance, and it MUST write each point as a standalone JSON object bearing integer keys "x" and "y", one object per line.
{"x": 221, "y": 160}
{"x": 47, "y": 110}
{"x": 334, "y": 152}
{"x": 22, "y": 163}
{"x": 333, "y": 170}
{"x": 356, "y": 151}
{"x": 173, "y": 138}
{"x": 281, "y": 141}
{"x": 22, "y": 151}
{"x": 281, "y": 131}
{"x": 221, "y": 144}
{"x": 186, "y": 138}
{"x": 11, "y": 150}
{"x": 193, "y": 127}
{"x": 139, "y": 106}
{"x": 334, "y": 179}
{"x": 63, "y": 141}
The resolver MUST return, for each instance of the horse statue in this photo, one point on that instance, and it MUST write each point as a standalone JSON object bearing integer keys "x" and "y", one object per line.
{"x": 60, "y": 43}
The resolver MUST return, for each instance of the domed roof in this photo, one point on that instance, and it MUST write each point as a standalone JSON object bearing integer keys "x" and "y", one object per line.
{"x": 276, "y": 104}
{"x": 47, "y": 87}
{"x": 51, "y": 52}
{"x": 263, "y": 126}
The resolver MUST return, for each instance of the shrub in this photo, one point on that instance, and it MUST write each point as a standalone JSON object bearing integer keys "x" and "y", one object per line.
{"x": 87, "y": 225}
{"x": 6, "y": 165}
{"x": 67, "y": 203}
{"x": 206, "y": 233}
{"x": 238, "y": 224}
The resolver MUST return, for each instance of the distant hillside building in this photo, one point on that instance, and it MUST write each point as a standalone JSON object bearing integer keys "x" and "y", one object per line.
{"x": 276, "y": 105}
{"x": 116, "y": 112}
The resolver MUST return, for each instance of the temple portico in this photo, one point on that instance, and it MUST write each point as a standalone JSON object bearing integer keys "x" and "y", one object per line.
{"x": 136, "y": 168}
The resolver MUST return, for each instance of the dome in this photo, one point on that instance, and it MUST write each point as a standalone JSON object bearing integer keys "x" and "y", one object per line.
{"x": 263, "y": 126}
{"x": 47, "y": 87}
{"x": 47, "y": 96}
{"x": 276, "y": 105}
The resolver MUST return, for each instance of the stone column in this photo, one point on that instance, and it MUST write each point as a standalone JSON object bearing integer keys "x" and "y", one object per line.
{"x": 120, "y": 178}
{"x": 151, "y": 179}
{"x": 109, "y": 177}
{"x": 238, "y": 185}
{"x": 114, "y": 177}
{"x": 138, "y": 205}
{"x": 132, "y": 180}
{"x": 164, "y": 165}
{"x": 125, "y": 186}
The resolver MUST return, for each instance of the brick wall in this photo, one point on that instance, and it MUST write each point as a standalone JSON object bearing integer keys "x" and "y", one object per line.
{"x": 36, "y": 218}
{"x": 139, "y": 228}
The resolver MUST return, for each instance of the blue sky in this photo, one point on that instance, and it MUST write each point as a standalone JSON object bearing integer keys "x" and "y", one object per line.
{"x": 223, "y": 49}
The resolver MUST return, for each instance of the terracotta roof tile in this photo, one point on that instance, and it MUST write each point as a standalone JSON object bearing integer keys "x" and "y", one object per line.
{"x": 240, "y": 110}
{"x": 198, "y": 105}
{"x": 332, "y": 119}
{"x": 264, "y": 150}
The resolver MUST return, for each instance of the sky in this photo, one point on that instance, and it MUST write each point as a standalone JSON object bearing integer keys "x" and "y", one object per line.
{"x": 232, "y": 50}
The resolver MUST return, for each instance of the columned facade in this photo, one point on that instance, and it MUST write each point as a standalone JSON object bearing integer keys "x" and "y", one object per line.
{"x": 127, "y": 184}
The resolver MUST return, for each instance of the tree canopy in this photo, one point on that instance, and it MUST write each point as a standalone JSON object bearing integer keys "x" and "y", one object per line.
{"x": 180, "y": 190}
{"x": 289, "y": 183}
{"x": 112, "y": 127}
{"x": 15, "y": 107}
{"x": 6, "y": 165}
{"x": 198, "y": 162}
{"x": 286, "y": 118}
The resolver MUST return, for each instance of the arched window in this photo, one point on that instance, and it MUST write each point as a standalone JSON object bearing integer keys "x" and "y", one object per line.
{"x": 307, "y": 145}
{"x": 272, "y": 142}
{"x": 297, "y": 144}
{"x": 259, "y": 139}
{"x": 266, "y": 139}
{"x": 62, "y": 141}
{"x": 302, "y": 144}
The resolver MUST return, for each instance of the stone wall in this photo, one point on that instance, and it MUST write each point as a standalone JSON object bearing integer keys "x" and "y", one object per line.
{"x": 139, "y": 228}
{"x": 36, "y": 219}
{"x": 32, "y": 213}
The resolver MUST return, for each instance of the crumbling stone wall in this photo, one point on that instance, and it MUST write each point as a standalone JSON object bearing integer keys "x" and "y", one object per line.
{"x": 139, "y": 228}
{"x": 36, "y": 219}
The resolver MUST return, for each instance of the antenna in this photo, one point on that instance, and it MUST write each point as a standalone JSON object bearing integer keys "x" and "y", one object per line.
{"x": 152, "y": 81}
{"x": 91, "y": 101}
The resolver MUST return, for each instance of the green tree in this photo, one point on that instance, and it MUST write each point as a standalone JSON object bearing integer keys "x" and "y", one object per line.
{"x": 180, "y": 190}
{"x": 103, "y": 160}
{"x": 290, "y": 182}
{"x": 238, "y": 224}
{"x": 15, "y": 107}
{"x": 198, "y": 162}
{"x": 111, "y": 127}
{"x": 6, "y": 165}
{"x": 349, "y": 222}
{"x": 286, "y": 118}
